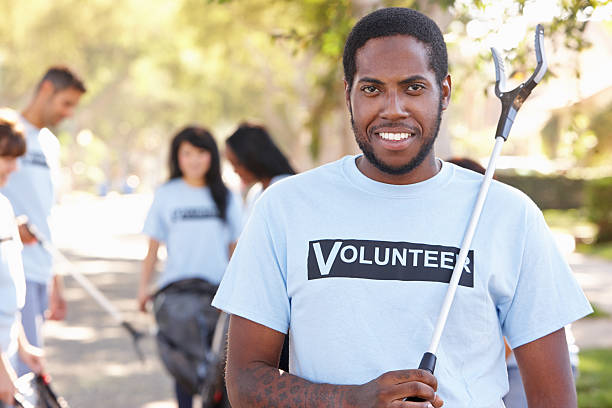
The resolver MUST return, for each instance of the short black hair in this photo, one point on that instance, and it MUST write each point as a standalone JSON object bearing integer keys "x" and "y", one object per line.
{"x": 62, "y": 78}
{"x": 256, "y": 151}
{"x": 391, "y": 21}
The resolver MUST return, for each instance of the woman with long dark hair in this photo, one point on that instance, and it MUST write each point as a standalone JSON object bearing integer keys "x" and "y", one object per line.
{"x": 259, "y": 163}
{"x": 198, "y": 220}
{"x": 256, "y": 159}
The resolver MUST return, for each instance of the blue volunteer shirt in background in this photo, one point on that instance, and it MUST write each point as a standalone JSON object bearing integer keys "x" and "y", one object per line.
{"x": 186, "y": 220}
{"x": 12, "y": 283}
{"x": 30, "y": 190}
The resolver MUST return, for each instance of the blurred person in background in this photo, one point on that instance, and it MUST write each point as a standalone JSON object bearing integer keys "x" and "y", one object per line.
{"x": 31, "y": 193}
{"x": 516, "y": 397}
{"x": 256, "y": 159}
{"x": 199, "y": 220}
{"x": 259, "y": 163}
{"x": 12, "y": 281}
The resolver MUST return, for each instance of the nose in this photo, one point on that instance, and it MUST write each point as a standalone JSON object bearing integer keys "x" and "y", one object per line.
{"x": 393, "y": 108}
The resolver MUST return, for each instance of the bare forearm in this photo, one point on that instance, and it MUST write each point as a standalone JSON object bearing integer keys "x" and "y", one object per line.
{"x": 546, "y": 372}
{"x": 260, "y": 385}
{"x": 147, "y": 271}
{"x": 566, "y": 400}
{"x": 148, "y": 265}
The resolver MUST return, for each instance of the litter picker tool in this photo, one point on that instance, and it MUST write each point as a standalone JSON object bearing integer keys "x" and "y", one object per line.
{"x": 89, "y": 287}
{"x": 34, "y": 391}
{"x": 511, "y": 102}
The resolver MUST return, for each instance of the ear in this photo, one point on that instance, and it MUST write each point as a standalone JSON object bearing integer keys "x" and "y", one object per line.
{"x": 347, "y": 94}
{"x": 445, "y": 88}
{"x": 46, "y": 88}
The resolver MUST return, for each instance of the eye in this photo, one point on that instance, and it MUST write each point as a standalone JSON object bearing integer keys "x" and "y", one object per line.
{"x": 415, "y": 87}
{"x": 369, "y": 90}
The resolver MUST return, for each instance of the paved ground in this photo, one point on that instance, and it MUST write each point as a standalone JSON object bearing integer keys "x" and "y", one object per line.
{"x": 595, "y": 278}
{"x": 92, "y": 360}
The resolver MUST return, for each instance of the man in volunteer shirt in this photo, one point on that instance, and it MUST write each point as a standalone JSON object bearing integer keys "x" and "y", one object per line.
{"x": 354, "y": 258}
{"x": 31, "y": 192}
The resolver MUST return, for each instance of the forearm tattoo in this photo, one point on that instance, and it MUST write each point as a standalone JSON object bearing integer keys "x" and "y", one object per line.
{"x": 261, "y": 385}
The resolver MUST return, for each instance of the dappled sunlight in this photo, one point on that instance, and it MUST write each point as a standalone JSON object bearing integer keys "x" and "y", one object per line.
{"x": 160, "y": 404}
{"x": 74, "y": 294}
{"x": 93, "y": 225}
{"x": 61, "y": 331}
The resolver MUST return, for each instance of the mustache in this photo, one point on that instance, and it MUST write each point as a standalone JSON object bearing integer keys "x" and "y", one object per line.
{"x": 394, "y": 125}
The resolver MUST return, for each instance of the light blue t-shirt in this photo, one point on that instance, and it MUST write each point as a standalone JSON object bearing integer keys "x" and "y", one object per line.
{"x": 357, "y": 270}
{"x": 30, "y": 190}
{"x": 12, "y": 282}
{"x": 255, "y": 191}
{"x": 186, "y": 219}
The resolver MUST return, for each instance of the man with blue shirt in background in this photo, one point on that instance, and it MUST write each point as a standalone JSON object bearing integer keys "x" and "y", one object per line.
{"x": 354, "y": 258}
{"x": 31, "y": 192}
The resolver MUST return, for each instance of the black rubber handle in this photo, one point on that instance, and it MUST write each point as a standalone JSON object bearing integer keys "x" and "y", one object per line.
{"x": 428, "y": 363}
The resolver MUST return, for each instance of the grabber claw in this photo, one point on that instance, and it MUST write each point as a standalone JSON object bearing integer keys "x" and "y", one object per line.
{"x": 513, "y": 100}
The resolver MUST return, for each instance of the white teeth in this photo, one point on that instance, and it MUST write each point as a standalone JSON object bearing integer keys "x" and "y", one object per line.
{"x": 395, "y": 136}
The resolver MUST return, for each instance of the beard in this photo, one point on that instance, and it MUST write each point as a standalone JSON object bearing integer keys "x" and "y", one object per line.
{"x": 368, "y": 152}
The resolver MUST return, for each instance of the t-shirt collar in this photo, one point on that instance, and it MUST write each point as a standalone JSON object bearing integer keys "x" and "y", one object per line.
{"x": 361, "y": 181}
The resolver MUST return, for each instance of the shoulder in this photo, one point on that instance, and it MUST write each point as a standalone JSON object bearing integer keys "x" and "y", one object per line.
{"x": 325, "y": 173}
{"x": 234, "y": 197}
{"x": 166, "y": 191}
{"x": 284, "y": 194}
{"x": 170, "y": 185}
{"x": 47, "y": 139}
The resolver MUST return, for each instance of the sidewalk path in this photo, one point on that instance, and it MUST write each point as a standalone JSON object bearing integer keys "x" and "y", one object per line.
{"x": 595, "y": 278}
{"x": 91, "y": 359}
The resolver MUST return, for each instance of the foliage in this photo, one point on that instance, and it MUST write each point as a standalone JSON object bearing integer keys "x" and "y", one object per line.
{"x": 597, "y": 313}
{"x": 581, "y": 131}
{"x": 154, "y": 66}
{"x": 601, "y": 250}
{"x": 599, "y": 205}
{"x": 574, "y": 222}
{"x": 548, "y": 191}
{"x": 594, "y": 383}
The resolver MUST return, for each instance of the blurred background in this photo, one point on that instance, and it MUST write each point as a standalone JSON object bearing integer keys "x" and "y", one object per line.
{"x": 153, "y": 66}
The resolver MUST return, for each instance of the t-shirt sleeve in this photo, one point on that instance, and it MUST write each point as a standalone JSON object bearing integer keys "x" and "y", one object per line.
{"x": 155, "y": 225}
{"x": 235, "y": 216}
{"x": 10, "y": 257}
{"x": 547, "y": 295}
{"x": 254, "y": 285}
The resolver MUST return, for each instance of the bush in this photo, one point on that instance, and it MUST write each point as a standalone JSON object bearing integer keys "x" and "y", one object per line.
{"x": 548, "y": 192}
{"x": 599, "y": 206}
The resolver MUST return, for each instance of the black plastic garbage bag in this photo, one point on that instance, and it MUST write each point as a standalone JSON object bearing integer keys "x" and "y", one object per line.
{"x": 186, "y": 321}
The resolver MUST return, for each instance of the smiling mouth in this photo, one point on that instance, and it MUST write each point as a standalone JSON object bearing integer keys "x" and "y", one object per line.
{"x": 395, "y": 136}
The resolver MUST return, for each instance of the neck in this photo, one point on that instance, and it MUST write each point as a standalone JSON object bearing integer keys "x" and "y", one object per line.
{"x": 194, "y": 182}
{"x": 33, "y": 115}
{"x": 426, "y": 170}
{"x": 265, "y": 183}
